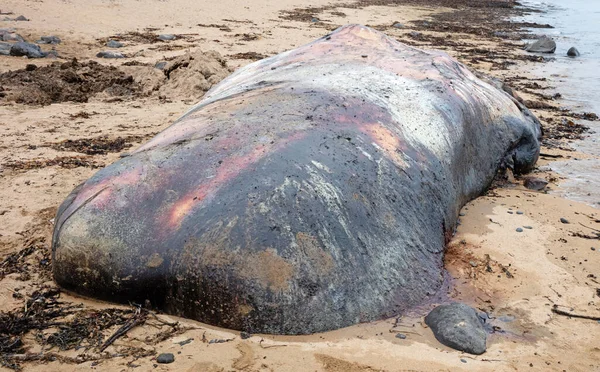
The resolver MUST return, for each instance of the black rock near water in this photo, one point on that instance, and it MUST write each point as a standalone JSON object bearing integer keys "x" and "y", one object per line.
{"x": 458, "y": 326}
{"x": 165, "y": 358}
{"x": 534, "y": 183}
{"x": 542, "y": 45}
{"x": 573, "y": 52}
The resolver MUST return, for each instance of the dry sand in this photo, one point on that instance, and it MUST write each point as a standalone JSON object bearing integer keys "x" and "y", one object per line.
{"x": 516, "y": 277}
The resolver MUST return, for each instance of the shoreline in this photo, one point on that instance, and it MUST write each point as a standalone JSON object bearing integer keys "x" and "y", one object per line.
{"x": 529, "y": 335}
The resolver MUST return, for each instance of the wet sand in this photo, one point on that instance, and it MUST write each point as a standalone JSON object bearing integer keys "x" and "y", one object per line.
{"x": 515, "y": 277}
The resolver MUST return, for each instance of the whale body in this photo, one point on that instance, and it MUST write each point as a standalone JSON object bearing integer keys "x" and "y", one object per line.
{"x": 306, "y": 192}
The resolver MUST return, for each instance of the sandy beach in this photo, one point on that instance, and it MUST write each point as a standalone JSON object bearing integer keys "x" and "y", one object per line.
{"x": 540, "y": 287}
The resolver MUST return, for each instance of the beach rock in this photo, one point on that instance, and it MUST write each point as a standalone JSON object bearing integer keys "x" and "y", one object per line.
{"x": 458, "y": 326}
{"x": 397, "y": 25}
{"x": 166, "y": 37}
{"x": 519, "y": 229}
{"x": 12, "y": 37}
{"x": 21, "y": 18}
{"x": 573, "y": 52}
{"x": 26, "y": 49}
{"x": 49, "y": 40}
{"x": 306, "y": 192}
{"x": 542, "y": 45}
{"x": 5, "y": 49}
{"x": 110, "y": 54}
{"x": 564, "y": 220}
{"x": 165, "y": 358}
{"x": 534, "y": 183}
{"x": 160, "y": 65}
{"x": 114, "y": 44}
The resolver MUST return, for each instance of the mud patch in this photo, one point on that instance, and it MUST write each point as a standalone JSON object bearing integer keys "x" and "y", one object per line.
{"x": 61, "y": 82}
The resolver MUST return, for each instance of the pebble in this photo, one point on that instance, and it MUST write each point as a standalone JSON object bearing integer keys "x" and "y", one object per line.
{"x": 462, "y": 360}
{"x": 519, "y": 212}
{"x": 528, "y": 227}
{"x": 593, "y": 249}
{"x": 519, "y": 229}
{"x": 114, "y": 44}
{"x": 397, "y": 25}
{"x": 160, "y": 65}
{"x": 165, "y": 358}
{"x": 461, "y": 214}
{"x": 110, "y": 54}
{"x": 49, "y": 40}
{"x": 166, "y": 37}
{"x": 21, "y": 18}
{"x": 564, "y": 220}
{"x": 509, "y": 212}
{"x": 400, "y": 336}
{"x": 26, "y": 49}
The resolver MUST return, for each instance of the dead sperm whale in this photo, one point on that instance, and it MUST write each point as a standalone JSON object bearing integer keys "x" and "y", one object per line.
{"x": 306, "y": 192}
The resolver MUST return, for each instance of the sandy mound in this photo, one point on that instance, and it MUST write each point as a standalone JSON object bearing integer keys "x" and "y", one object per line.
{"x": 59, "y": 82}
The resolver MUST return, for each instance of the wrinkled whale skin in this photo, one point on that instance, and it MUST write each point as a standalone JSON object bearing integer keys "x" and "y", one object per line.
{"x": 306, "y": 192}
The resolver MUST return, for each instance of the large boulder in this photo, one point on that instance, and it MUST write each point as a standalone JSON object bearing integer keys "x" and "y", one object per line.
{"x": 306, "y": 192}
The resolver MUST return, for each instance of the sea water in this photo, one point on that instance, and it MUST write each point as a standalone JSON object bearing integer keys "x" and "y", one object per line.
{"x": 576, "y": 23}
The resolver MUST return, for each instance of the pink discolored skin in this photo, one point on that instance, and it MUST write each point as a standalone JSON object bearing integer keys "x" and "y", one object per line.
{"x": 306, "y": 192}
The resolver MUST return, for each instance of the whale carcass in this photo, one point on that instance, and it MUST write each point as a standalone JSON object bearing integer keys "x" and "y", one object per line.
{"x": 306, "y": 192}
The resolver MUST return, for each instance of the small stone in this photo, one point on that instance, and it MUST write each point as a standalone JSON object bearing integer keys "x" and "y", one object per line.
{"x": 401, "y": 336}
{"x": 534, "y": 183}
{"x": 5, "y": 49}
{"x": 397, "y": 25}
{"x": 160, "y": 65}
{"x": 11, "y": 36}
{"x": 49, "y": 40}
{"x": 26, "y": 49}
{"x": 463, "y": 360}
{"x": 564, "y": 220}
{"x": 473, "y": 263}
{"x": 21, "y": 18}
{"x": 165, "y": 358}
{"x": 114, "y": 44}
{"x": 457, "y": 325}
{"x": 461, "y": 214}
{"x": 593, "y": 249}
{"x": 519, "y": 212}
{"x": 110, "y": 54}
{"x": 542, "y": 45}
{"x": 509, "y": 212}
{"x": 573, "y": 52}
{"x": 528, "y": 227}
{"x": 245, "y": 335}
{"x": 314, "y": 20}
{"x": 519, "y": 229}
{"x": 166, "y": 37}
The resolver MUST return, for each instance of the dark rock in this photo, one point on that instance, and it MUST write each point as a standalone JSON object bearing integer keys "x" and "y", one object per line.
{"x": 457, "y": 325}
{"x": 166, "y": 37}
{"x": 519, "y": 212}
{"x": 542, "y": 45}
{"x": 245, "y": 335}
{"x": 573, "y": 52}
{"x": 26, "y": 49}
{"x": 534, "y": 183}
{"x": 564, "y": 220}
{"x": 5, "y": 49}
{"x": 49, "y": 40}
{"x": 165, "y": 358}
{"x": 21, "y": 18}
{"x": 401, "y": 336}
{"x": 11, "y": 36}
{"x": 114, "y": 44}
{"x": 110, "y": 54}
{"x": 528, "y": 227}
{"x": 315, "y": 20}
{"x": 397, "y": 25}
{"x": 52, "y": 54}
{"x": 519, "y": 229}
